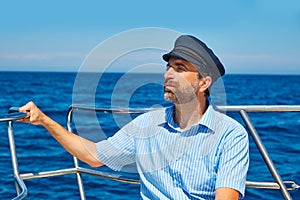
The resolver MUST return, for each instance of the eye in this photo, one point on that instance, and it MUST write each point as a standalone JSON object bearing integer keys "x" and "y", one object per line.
{"x": 180, "y": 69}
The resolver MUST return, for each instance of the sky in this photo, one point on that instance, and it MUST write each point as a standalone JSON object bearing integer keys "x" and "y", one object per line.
{"x": 249, "y": 37}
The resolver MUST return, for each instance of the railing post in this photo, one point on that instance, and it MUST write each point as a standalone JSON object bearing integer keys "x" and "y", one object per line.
{"x": 13, "y": 153}
{"x": 22, "y": 194}
{"x": 265, "y": 155}
{"x": 75, "y": 160}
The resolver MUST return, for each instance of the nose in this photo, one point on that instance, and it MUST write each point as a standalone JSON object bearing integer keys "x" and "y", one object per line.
{"x": 169, "y": 73}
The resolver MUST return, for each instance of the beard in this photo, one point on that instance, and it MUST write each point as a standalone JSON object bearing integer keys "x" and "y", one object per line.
{"x": 181, "y": 95}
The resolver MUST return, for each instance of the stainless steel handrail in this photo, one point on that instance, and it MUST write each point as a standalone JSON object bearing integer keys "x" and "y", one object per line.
{"x": 233, "y": 108}
{"x": 19, "y": 178}
{"x": 260, "y": 108}
{"x": 12, "y": 116}
{"x": 19, "y": 183}
{"x": 75, "y": 160}
{"x": 290, "y": 185}
{"x": 263, "y": 151}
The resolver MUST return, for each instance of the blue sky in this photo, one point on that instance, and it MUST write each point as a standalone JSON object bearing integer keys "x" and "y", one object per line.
{"x": 253, "y": 36}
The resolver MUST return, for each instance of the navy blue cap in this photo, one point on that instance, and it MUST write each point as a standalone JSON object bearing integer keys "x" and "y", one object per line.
{"x": 193, "y": 50}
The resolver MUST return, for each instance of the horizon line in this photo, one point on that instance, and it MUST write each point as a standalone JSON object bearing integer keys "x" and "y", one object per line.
{"x": 121, "y": 72}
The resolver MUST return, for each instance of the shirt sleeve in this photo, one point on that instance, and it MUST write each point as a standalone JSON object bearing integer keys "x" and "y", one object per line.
{"x": 234, "y": 161}
{"x": 117, "y": 151}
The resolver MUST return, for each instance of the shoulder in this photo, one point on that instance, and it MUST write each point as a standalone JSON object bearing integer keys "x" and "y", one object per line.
{"x": 227, "y": 118}
{"x": 228, "y": 125}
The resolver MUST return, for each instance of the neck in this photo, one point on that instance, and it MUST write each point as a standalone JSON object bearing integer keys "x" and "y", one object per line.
{"x": 190, "y": 113}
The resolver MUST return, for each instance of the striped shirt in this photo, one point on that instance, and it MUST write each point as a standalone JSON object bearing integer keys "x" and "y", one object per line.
{"x": 177, "y": 164}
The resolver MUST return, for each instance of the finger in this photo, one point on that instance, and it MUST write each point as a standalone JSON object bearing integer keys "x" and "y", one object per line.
{"x": 24, "y": 110}
{"x": 25, "y": 119}
{"x": 27, "y": 114}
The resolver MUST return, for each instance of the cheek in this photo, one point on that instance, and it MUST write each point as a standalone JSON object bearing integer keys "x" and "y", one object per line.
{"x": 192, "y": 79}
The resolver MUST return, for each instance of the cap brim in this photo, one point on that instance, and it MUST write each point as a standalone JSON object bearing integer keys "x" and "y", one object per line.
{"x": 167, "y": 56}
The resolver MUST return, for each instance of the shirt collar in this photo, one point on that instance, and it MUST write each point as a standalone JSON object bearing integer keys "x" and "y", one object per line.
{"x": 169, "y": 119}
{"x": 208, "y": 119}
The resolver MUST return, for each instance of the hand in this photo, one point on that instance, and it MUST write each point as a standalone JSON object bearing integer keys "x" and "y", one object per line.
{"x": 34, "y": 114}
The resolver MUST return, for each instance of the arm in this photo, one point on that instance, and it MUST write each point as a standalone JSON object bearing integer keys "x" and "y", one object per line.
{"x": 226, "y": 194}
{"x": 233, "y": 165}
{"x": 79, "y": 147}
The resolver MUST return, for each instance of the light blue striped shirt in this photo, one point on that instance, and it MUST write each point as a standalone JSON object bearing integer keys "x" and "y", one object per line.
{"x": 176, "y": 164}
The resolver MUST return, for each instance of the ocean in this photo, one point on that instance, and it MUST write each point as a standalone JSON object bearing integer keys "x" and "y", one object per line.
{"x": 54, "y": 92}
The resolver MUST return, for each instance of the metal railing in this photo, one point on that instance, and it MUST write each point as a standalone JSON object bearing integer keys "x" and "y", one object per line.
{"x": 19, "y": 183}
{"x": 21, "y": 189}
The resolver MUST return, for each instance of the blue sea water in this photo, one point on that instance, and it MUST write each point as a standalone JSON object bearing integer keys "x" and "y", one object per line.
{"x": 55, "y": 92}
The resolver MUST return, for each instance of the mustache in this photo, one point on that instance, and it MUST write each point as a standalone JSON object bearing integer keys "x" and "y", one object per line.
{"x": 169, "y": 83}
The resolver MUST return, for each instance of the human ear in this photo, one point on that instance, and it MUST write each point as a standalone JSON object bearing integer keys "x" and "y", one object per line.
{"x": 205, "y": 83}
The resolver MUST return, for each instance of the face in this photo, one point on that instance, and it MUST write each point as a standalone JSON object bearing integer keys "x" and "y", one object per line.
{"x": 181, "y": 81}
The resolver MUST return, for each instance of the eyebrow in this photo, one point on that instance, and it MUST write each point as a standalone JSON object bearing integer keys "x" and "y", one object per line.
{"x": 178, "y": 64}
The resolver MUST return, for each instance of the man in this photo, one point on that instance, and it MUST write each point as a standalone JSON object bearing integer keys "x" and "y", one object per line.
{"x": 186, "y": 151}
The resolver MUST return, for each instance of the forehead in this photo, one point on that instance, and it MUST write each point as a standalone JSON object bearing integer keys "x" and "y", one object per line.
{"x": 180, "y": 62}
